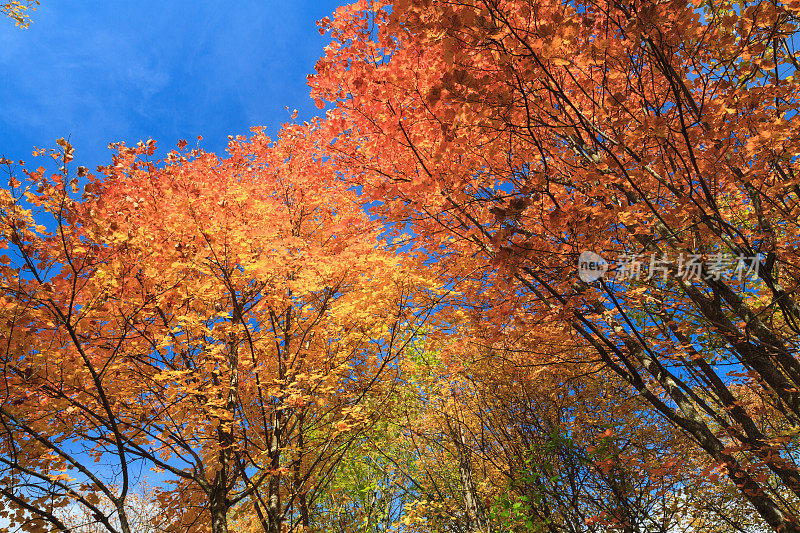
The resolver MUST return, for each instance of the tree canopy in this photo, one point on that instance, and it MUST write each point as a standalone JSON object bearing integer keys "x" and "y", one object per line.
{"x": 534, "y": 270}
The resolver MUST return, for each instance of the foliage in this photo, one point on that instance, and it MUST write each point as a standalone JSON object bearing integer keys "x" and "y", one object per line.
{"x": 240, "y": 325}
{"x": 220, "y": 321}
{"x": 18, "y": 11}
{"x": 510, "y": 136}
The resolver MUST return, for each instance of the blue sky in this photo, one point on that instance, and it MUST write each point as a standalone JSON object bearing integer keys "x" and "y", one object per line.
{"x": 103, "y": 72}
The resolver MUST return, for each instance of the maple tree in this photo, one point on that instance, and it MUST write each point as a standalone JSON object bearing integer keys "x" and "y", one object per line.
{"x": 510, "y": 136}
{"x": 221, "y": 321}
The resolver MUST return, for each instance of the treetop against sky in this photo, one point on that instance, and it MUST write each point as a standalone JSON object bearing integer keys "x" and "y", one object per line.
{"x": 235, "y": 320}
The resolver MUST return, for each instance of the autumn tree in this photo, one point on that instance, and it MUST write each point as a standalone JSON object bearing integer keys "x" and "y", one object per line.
{"x": 513, "y": 135}
{"x": 220, "y": 321}
{"x": 370, "y": 486}
{"x": 503, "y": 446}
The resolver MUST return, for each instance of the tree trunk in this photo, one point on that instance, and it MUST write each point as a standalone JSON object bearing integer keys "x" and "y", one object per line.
{"x": 219, "y": 510}
{"x": 465, "y": 478}
{"x": 274, "y": 511}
